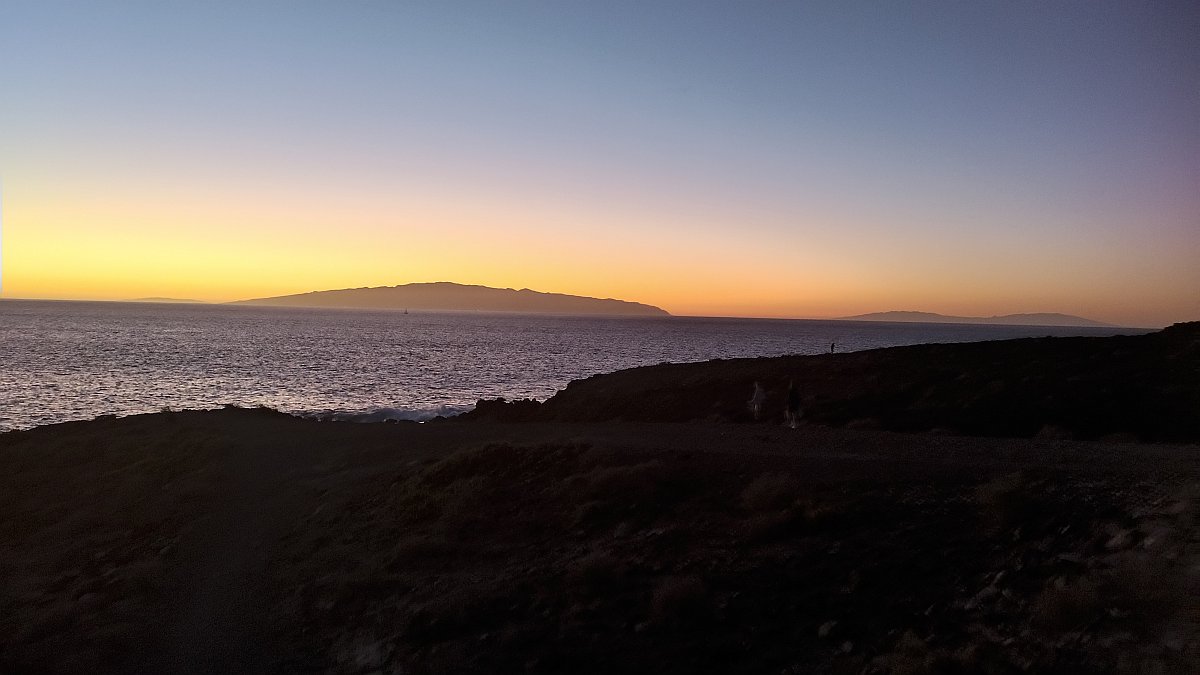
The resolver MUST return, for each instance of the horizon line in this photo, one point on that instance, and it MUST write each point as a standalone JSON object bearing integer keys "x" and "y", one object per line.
{"x": 975, "y": 320}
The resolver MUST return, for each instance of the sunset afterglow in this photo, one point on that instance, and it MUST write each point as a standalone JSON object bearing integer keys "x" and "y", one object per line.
{"x": 764, "y": 159}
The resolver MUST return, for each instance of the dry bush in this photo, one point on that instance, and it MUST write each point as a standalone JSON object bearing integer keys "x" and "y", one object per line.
{"x": 596, "y": 572}
{"x": 1009, "y": 500}
{"x": 506, "y": 463}
{"x": 909, "y": 656}
{"x": 1185, "y": 506}
{"x": 454, "y": 504}
{"x": 764, "y": 527}
{"x": 1142, "y": 588}
{"x": 678, "y": 600}
{"x": 594, "y": 514}
{"x": 1064, "y": 606}
{"x": 460, "y": 612}
{"x": 1147, "y": 587}
{"x": 593, "y": 457}
{"x": 424, "y": 552}
{"x": 771, "y": 492}
{"x": 629, "y": 483}
{"x": 912, "y": 656}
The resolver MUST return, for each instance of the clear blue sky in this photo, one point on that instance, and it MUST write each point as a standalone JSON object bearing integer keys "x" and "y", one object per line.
{"x": 757, "y": 158}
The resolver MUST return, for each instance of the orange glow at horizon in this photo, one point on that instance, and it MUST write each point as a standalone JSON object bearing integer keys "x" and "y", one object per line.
{"x": 244, "y": 246}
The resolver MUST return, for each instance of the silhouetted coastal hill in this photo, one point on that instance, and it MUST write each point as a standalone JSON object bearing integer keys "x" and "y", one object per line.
{"x": 180, "y": 301}
{"x": 1036, "y": 319}
{"x": 444, "y": 295}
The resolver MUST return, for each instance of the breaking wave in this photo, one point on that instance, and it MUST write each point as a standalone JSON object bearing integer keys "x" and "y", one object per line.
{"x": 376, "y": 415}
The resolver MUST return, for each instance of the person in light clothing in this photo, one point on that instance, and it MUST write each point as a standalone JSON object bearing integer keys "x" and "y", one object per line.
{"x": 757, "y": 400}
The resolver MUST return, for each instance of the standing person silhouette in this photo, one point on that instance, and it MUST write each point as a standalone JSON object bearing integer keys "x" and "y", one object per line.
{"x": 792, "y": 413}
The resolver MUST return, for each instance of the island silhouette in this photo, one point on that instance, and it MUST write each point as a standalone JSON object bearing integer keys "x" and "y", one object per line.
{"x": 445, "y": 295}
{"x": 170, "y": 301}
{"x": 1035, "y": 319}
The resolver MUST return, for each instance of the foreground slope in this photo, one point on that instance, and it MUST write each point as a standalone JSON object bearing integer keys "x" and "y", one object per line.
{"x": 249, "y": 541}
{"x": 451, "y": 296}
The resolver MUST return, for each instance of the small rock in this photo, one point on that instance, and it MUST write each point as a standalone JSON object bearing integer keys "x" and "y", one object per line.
{"x": 826, "y": 628}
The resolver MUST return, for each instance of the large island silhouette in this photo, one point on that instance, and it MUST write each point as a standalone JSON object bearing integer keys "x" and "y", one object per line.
{"x": 445, "y": 295}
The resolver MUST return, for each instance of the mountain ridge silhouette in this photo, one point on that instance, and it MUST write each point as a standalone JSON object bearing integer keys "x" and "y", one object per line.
{"x": 1024, "y": 319}
{"x": 447, "y": 295}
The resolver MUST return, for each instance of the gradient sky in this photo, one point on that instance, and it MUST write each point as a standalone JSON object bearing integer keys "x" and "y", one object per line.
{"x": 736, "y": 158}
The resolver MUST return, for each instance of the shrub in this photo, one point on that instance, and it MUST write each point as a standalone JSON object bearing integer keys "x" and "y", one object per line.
{"x": 596, "y": 572}
{"x": 771, "y": 492}
{"x": 678, "y": 600}
{"x": 1009, "y": 500}
{"x": 1063, "y": 606}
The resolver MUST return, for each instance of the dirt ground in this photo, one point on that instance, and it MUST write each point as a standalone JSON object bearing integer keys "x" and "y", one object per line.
{"x": 250, "y": 541}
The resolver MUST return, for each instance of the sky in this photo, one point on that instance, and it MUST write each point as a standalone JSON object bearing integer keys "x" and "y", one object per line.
{"x": 783, "y": 159}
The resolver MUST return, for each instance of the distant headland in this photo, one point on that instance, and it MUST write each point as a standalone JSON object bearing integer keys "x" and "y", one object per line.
{"x": 445, "y": 295}
{"x": 1037, "y": 319}
{"x": 184, "y": 301}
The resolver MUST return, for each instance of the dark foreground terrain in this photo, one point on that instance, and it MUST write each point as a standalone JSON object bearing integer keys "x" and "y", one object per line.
{"x": 250, "y": 541}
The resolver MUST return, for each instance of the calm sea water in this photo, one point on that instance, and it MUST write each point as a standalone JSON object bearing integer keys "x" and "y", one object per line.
{"x": 64, "y": 361}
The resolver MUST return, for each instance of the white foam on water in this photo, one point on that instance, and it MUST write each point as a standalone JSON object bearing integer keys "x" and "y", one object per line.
{"x": 377, "y": 415}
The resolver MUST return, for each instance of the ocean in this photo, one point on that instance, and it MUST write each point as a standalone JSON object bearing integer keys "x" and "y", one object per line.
{"x": 62, "y": 361}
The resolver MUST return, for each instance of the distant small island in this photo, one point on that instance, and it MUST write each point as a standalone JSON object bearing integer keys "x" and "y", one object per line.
{"x": 1036, "y": 319}
{"x": 444, "y": 295}
{"x": 183, "y": 301}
